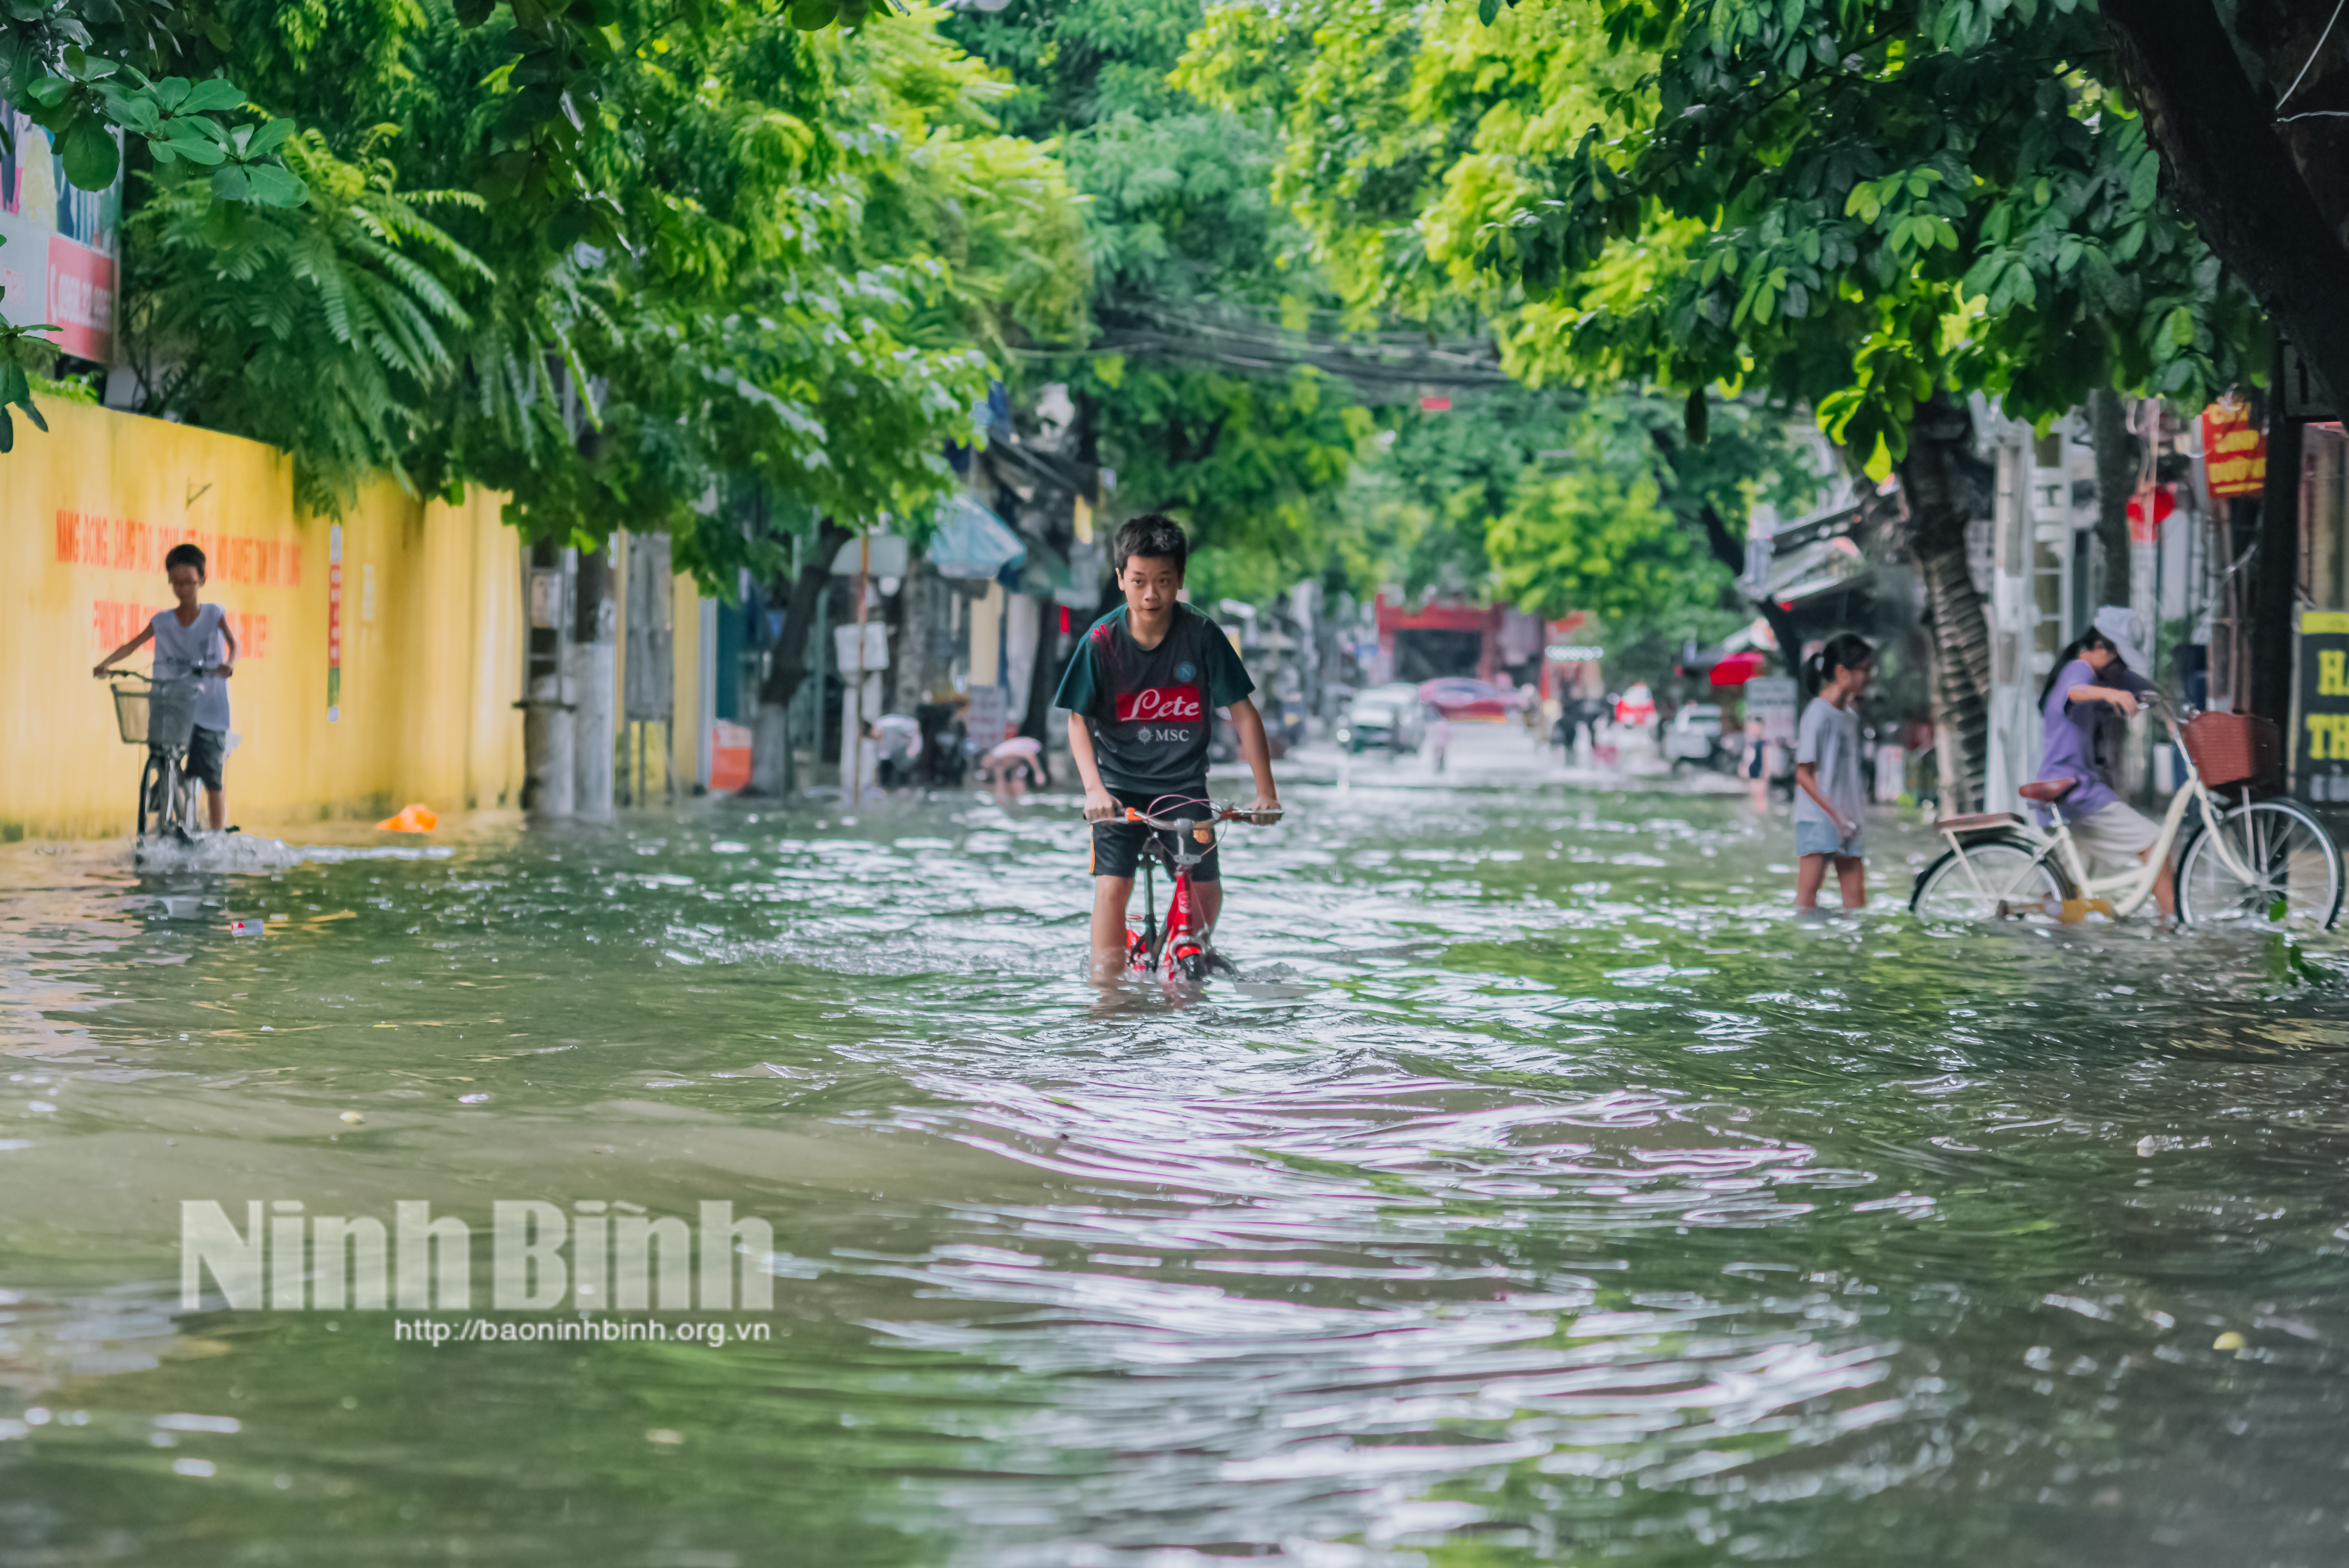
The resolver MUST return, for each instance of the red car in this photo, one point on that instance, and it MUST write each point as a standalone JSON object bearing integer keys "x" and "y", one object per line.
{"x": 1457, "y": 697}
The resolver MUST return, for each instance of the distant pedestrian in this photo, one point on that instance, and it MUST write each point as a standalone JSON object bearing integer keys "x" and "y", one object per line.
{"x": 1014, "y": 767}
{"x": 1828, "y": 798}
{"x": 1756, "y": 761}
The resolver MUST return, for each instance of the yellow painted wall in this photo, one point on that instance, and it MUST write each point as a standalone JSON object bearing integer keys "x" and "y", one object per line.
{"x": 430, "y": 662}
{"x": 432, "y": 630}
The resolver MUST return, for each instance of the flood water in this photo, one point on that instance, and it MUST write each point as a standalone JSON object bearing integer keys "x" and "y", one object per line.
{"x": 1543, "y": 1192}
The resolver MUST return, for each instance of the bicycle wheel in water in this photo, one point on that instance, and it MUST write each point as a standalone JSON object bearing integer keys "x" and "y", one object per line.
{"x": 2294, "y": 864}
{"x": 1991, "y": 873}
{"x": 155, "y": 782}
{"x": 191, "y": 801}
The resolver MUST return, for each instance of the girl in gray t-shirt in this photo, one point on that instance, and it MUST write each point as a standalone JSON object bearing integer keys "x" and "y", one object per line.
{"x": 1828, "y": 798}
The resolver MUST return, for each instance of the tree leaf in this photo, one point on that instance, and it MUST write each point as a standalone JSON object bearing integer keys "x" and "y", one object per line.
{"x": 232, "y": 183}
{"x": 189, "y": 138}
{"x": 813, "y": 15}
{"x": 265, "y": 141}
{"x": 274, "y": 186}
{"x": 87, "y": 151}
{"x": 224, "y": 224}
{"x": 211, "y": 94}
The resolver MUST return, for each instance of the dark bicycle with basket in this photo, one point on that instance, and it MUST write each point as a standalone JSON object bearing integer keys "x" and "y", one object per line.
{"x": 2243, "y": 857}
{"x": 160, "y": 714}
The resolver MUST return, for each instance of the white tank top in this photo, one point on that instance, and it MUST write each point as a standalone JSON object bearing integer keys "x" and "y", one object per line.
{"x": 190, "y": 651}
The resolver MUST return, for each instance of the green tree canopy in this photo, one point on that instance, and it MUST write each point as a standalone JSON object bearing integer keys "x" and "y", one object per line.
{"x": 1860, "y": 208}
{"x": 812, "y": 250}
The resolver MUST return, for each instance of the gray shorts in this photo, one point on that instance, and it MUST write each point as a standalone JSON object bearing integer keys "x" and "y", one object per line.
{"x": 207, "y": 755}
{"x": 1820, "y": 839}
{"x": 2115, "y": 834}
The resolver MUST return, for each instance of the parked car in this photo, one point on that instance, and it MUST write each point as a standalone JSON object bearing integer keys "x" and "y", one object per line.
{"x": 1384, "y": 718}
{"x": 1693, "y": 735}
{"x": 1459, "y": 698}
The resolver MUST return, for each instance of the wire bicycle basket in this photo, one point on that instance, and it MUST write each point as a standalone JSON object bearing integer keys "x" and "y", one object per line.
{"x": 2231, "y": 749}
{"x": 160, "y": 712}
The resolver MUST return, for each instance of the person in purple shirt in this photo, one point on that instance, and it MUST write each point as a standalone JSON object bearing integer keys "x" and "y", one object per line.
{"x": 2095, "y": 677}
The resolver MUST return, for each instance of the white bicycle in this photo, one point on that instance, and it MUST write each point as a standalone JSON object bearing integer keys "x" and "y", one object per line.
{"x": 2265, "y": 860}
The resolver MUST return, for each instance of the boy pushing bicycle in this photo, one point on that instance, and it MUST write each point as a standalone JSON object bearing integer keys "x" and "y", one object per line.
{"x": 1140, "y": 694}
{"x": 193, "y": 642}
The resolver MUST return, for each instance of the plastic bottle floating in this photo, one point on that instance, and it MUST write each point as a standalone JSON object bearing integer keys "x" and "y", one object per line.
{"x": 414, "y": 818}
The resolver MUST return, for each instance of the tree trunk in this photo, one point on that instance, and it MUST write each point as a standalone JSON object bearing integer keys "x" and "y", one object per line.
{"x": 1043, "y": 681}
{"x": 1947, "y": 486}
{"x": 2222, "y": 162}
{"x": 2276, "y": 572}
{"x": 1731, "y": 554}
{"x": 770, "y": 734}
{"x": 2118, "y": 463}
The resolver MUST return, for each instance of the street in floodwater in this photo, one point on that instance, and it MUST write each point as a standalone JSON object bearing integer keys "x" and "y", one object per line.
{"x": 1543, "y": 1192}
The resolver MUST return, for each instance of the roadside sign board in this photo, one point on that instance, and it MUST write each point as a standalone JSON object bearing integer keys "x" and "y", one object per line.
{"x": 986, "y": 720}
{"x": 2320, "y": 748}
{"x": 57, "y": 265}
{"x": 1770, "y": 707}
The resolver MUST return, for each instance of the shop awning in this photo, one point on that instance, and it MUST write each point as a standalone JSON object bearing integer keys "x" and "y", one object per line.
{"x": 973, "y": 542}
{"x": 1738, "y": 668}
{"x": 1047, "y": 575}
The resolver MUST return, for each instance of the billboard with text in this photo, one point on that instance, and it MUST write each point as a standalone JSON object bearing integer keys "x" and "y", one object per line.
{"x": 59, "y": 264}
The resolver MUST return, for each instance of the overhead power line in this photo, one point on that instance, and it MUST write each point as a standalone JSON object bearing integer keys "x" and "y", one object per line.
{"x": 1382, "y": 366}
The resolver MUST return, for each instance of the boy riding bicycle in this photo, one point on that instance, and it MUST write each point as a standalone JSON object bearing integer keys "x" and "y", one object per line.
{"x": 1140, "y": 694}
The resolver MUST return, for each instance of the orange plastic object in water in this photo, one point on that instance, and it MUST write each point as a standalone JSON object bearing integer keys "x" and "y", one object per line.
{"x": 411, "y": 820}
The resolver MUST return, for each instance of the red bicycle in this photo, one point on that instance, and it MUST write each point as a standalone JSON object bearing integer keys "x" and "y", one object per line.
{"x": 1187, "y": 831}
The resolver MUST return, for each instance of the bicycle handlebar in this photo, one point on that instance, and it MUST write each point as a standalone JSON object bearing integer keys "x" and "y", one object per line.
{"x": 1218, "y": 811}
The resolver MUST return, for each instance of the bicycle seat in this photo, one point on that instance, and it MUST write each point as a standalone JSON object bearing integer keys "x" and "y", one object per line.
{"x": 2047, "y": 791}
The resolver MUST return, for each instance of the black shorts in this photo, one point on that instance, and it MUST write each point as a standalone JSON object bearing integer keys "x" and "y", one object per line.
{"x": 1117, "y": 844}
{"x": 207, "y": 755}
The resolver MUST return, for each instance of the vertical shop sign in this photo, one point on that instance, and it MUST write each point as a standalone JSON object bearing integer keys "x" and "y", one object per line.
{"x": 2234, "y": 450}
{"x": 2322, "y": 774}
{"x": 333, "y": 622}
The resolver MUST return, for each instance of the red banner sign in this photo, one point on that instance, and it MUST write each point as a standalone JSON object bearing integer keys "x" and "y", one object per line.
{"x": 2234, "y": 450}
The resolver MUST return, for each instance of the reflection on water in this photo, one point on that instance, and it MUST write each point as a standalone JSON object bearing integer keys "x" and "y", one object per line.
{"x": 1544, "y": 1191}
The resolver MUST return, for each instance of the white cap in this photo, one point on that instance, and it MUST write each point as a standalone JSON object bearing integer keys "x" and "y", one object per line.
{"x": 2119, "y": 628}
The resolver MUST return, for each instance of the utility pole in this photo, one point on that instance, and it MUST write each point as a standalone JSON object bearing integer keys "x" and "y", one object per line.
{"x": 548, "y": 785}
{"x": 595, "y": 683}
{"x": 853, "y": 778}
